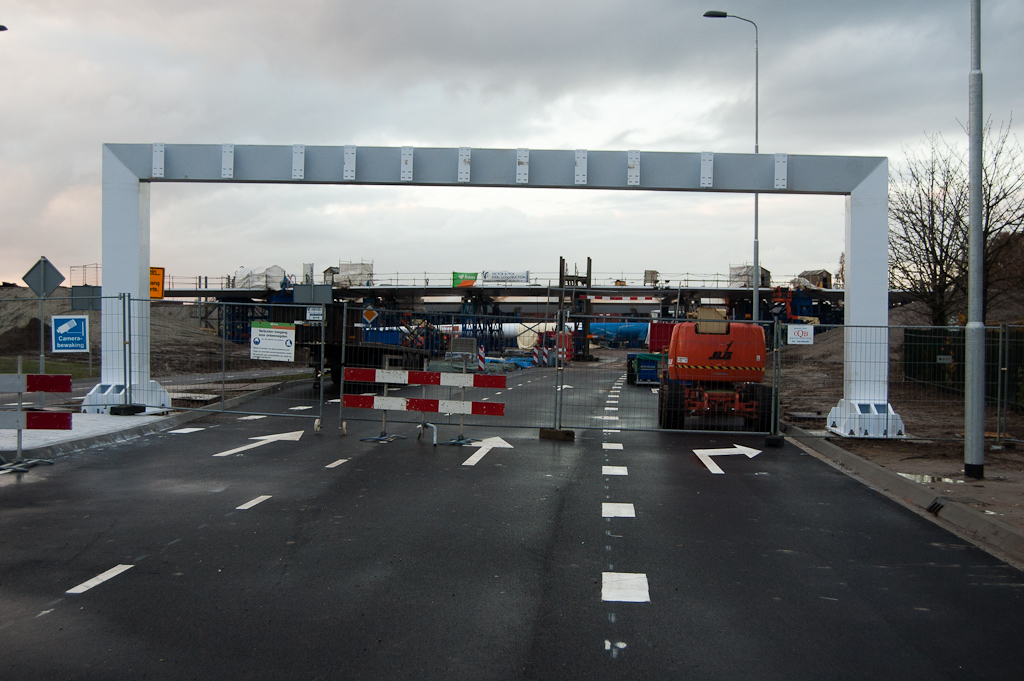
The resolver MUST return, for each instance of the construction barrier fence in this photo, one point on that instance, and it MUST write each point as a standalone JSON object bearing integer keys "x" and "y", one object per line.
{"x": 561, "y": 370}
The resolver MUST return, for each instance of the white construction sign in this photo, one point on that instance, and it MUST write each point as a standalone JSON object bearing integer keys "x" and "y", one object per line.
{"x": 272, "y": 341}
{"x": 801, "y": 334}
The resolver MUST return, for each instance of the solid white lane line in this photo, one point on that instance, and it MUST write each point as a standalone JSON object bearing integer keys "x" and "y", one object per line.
{"x": 99, "y": 579}
{"x": 185, "y": 431}
{"x": 617, "y": 510}
{"x": 611, "y": 445}
{"x": 336, "y": 463}
{"x": 249, "y": 504}
{"x": 625, "y": 587}
{"x": 614, "y": 470}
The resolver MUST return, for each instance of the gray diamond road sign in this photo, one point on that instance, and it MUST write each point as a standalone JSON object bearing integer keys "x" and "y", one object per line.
{"x": 43, "y": 278}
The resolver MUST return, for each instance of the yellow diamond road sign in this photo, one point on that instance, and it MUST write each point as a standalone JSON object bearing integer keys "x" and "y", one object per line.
{"x": 369, "y": 315}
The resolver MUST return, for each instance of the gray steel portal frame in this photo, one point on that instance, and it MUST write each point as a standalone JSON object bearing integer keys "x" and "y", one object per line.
{"x": 128, "y": 170}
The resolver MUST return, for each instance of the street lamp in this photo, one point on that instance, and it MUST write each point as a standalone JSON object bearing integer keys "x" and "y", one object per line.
{"x": 3, "y": 28}
{"x": 756, "y": 279}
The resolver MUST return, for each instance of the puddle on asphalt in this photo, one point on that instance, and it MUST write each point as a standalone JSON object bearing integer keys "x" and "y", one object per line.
{"x": 928, "y": 478}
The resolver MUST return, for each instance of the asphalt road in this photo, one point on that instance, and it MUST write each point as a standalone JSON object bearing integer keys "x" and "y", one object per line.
{"x": 331, "y": 558}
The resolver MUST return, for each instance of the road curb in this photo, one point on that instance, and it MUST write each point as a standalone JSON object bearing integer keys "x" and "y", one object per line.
{"x": 986, "y": 531}
{"x": 173, "y": 421}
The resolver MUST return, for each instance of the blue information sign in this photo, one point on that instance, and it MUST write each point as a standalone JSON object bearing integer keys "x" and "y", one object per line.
{"x": 70, "y": 333}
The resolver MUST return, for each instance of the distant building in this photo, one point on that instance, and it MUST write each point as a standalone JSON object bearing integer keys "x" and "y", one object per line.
{"x": 819, "y": 278}
{"x": 742, "y": 276}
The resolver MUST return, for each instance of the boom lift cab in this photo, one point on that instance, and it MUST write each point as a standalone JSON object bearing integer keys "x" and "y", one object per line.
{"x": 715, "y": 369}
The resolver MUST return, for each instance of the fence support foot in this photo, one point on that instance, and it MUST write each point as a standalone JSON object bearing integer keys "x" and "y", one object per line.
{"x": 461, "y": 440}
{"x": 384, "y": 437}
{"x": 424, "y": 426}
{"x": 556, "y": 434}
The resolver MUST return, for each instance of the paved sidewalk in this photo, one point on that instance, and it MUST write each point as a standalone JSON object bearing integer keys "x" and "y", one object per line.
{"x": 86, "y": 430}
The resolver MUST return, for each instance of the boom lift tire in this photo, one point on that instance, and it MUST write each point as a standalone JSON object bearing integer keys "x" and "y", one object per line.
{"x": 764, "y": 395}
{"x": 670, "y": 414}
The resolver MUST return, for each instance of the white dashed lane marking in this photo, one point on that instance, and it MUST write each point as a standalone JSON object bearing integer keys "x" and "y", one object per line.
{"x": 99, "y": 579}
{"x": 614, "y": 470}
{"x": 185, "y": 431}
{"x": 625, "y": 587}
{"x": 249, "y": 504}
{"x": 253, "y": 417}
{"x": 611, "y": 445}
{"x": 617, "y": 510}
{"x": 336, "y": 463}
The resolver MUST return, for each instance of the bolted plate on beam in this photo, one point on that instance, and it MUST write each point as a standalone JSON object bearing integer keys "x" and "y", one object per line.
{"x": 43, "y": 278}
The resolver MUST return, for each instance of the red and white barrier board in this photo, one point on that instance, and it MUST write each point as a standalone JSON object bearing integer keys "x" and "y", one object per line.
{"x": 35, "y": 420}
{"x": 398, "y": 377}
{"x": 424, "y": 405}
{"x": 641, "y": 299}
{"x": 35, "y": 383}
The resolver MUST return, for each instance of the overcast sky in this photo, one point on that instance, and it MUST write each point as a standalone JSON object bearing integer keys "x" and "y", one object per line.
{"x": 849, "y": 78}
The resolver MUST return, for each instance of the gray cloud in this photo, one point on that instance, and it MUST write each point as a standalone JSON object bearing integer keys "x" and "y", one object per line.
{"x": 836, "y": 78}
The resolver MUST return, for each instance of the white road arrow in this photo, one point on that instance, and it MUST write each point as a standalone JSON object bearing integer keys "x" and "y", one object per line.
{"x": 485, "y": 446}
{"x": 705, "y": 456}
{"x": 264, "y": 440}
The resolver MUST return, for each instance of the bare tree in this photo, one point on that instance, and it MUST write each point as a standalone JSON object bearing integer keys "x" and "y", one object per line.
{"x": 1002, "y": 214}
{"x": 928, "y": 223}
{"x": 927, "y": 239}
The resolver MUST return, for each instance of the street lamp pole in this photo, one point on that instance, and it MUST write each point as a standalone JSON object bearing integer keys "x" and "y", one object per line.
{"x": 755, "y": 279}
{"x": 974, "y": 379}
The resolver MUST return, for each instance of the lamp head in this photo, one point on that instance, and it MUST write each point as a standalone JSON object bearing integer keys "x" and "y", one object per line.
{"x": 715, "y": 14}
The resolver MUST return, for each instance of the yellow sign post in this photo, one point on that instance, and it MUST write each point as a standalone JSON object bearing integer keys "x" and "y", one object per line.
{"x": 156, "y": 283}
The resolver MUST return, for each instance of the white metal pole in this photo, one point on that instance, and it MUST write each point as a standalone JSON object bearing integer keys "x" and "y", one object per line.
{"x": 756, "y": 311}
{"x": 974, "y": 404}
{"x": 755, "y": 279}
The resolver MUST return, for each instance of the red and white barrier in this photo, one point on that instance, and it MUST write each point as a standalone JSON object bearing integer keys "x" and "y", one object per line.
{"x": 399, "y": 377}
{"x": 35, "y": 383}
{"x": 423, "y": 405}
{"x": 536, "y": 356}
{"x": 639, "y": 299}
{"x": 35, "y": 420}
{"x": 481, "y": 363}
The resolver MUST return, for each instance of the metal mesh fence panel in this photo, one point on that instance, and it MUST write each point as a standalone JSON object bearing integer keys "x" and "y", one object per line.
{"x": 922, "y": 369}
{"x": 712, "y": 375}
{"x": 428, "y": 364}
{"x": 22, "y": 335}
{"x": 222, "y": 356}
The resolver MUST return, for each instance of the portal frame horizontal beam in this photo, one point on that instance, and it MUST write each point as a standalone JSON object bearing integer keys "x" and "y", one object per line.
{"x": 548, "y": 168}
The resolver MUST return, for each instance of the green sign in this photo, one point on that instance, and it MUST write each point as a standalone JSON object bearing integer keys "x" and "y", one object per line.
{"x": 462, "y": 279}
